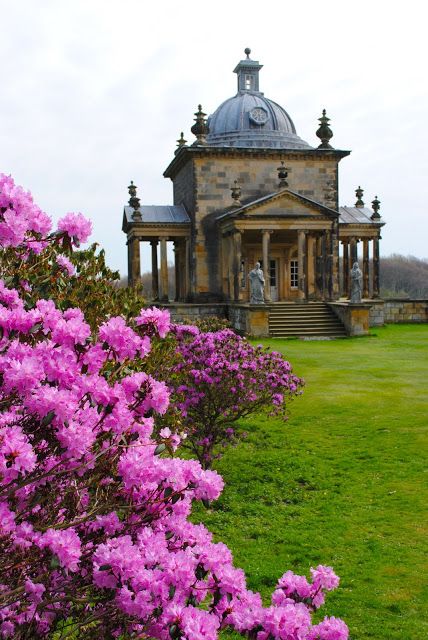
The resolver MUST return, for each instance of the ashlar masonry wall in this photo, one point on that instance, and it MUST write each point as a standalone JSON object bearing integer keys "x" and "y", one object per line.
{"x": 398, "y": 310}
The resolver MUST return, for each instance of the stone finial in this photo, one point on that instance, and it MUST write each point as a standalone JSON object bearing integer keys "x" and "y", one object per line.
{"x": 359, "y": 193}
{"x": 247, "y": 52}
{"x": 324, "y": 132}
{"x": 236, "y": 194}
{"x": 200, "y": 128}
{"x": 375, "y": 206}
{"x": 282, "y": 175}
{"x": 181, "y": 142}
{"x": 134, "y": 201}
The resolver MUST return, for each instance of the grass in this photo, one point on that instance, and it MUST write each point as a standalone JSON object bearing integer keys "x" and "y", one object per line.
{"x": 343, "y": 483}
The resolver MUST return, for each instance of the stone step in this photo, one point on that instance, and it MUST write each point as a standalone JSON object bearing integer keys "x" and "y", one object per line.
{"x": 318, "y": 314}
{"x": 315, "y": 319}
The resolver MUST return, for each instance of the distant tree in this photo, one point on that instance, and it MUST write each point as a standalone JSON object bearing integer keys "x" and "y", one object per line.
{"x": 403, "y": 276}
{"x": 146, "y": 281}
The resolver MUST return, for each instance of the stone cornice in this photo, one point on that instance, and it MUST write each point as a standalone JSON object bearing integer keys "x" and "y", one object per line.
{"x": 187, "y": 153}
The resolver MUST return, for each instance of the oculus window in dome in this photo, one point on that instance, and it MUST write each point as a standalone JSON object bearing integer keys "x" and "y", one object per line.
{"x": 248, "y": 119}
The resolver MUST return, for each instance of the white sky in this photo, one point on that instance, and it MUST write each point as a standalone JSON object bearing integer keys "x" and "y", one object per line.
{"x": 96, "y": 92}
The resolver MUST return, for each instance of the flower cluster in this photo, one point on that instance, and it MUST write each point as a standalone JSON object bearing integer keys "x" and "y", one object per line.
{"x": 76, "y": 226}
{"x": 220, "y": 378}
{"x": 20, "y": 217}
{"x": 94, "y": 511}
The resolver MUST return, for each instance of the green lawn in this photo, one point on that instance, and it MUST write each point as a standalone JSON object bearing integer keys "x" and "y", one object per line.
{"x": 343, "y": 483}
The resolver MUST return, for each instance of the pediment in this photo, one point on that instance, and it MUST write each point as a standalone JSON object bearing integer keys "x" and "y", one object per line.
{"x": 282, "y": 204}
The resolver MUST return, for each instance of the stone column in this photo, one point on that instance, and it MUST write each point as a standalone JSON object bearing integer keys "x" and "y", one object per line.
{"x": 164, "y": 270}
{"x": 266, "y": 262}
{"x": 335, "y": 258}
{"x": 302, "y": 264}
{"x": 329, "y": 263}
{"x": 134, "y": 260}
{"x": 365, "y": 268}
{"x": 155, "y": 272}
{"x": 177, "y": 256}
{"x": 128, "y": 248}
{"x": 354, "y": 251}
{"x": 346, "y": 290}
{"x": 237, "y": 257}
{"x": 375, "y": 268}
{"x": 318, "y": 269}
{"x": 310, "y": 270}
{"x": 186, "y": 268}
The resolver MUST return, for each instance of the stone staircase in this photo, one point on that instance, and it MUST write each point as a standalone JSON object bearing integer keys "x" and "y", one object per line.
{"x": 304, "y": 320}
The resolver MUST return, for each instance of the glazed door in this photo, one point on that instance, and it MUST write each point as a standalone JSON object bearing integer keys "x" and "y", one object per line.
{"x": 273, "y": 275}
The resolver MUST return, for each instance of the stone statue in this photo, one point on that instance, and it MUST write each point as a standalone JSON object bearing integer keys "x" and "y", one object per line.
{"x": 257, "y": 285}
{"x": 356, "y": 279}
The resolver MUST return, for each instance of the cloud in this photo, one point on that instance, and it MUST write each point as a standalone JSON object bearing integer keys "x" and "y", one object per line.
{"x": 96, "y": 93}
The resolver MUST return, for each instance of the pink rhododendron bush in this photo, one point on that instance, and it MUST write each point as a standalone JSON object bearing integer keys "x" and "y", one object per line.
{"x": 94, "y": 511}
{"x": 221, "y": 378}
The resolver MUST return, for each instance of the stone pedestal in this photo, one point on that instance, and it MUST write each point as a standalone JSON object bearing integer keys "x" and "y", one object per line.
{"x": 354, "y": 316}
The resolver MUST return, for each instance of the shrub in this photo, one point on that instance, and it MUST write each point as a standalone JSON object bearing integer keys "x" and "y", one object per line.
{"x": 56, "y": 268}
{"x": 220, "y": 379}
{"x": 94, "y": 527}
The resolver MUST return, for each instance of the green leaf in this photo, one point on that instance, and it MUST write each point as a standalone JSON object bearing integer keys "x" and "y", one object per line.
{"x": 175, "y": 632}
{"x": 161, "y": 447}
{"x": 201, "y": 572}
{"x": 168, "y": 491}
{"x": 48, "y": 418}
{"x": 105, "y": 567}
{"x": 54, "y": 563}
{"x": 172, "y": 591}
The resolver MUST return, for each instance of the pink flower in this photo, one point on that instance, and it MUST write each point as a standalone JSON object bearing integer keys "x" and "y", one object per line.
{"x": 292, "y": 584}
{"x": 155, "y": 321}
{"x": 34, "y": 590}
{"x": 122, "y": 339}
{"x": 324, "y": 578}
{"x": 329, "y": 629}
{"x": 65, "y": 264}
{"x": 76, "y": 226}
{"x": 65, "y": 544}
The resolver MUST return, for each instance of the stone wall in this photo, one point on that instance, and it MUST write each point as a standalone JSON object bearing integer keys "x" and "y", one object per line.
{"x": 398, "y": 310}
{"x": 377, "y": 316}
{"x": 188, "y": 312}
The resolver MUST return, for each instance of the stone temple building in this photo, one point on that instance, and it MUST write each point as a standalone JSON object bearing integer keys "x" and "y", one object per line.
{"x": 247, "y": 190}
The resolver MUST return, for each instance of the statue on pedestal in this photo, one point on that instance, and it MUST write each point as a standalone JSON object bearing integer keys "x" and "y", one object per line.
{"x": 356, "y": 281}
{"x": 257, "y": 285}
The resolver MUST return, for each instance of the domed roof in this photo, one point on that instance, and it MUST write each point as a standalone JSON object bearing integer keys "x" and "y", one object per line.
{"x": 251, "y": 120}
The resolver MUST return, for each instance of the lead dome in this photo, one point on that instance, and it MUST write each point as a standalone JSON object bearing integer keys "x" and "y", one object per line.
{"x": 248, "y": 119}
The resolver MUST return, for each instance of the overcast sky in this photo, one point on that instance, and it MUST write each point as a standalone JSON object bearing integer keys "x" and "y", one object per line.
{"x": 96, "y": 92}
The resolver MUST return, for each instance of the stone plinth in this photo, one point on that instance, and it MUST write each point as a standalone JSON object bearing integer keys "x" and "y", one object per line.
{"x": 250, "y": 319}
{"x": 354, "y": 316}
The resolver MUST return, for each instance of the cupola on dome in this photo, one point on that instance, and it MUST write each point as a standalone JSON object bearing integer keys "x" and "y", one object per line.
{"x": 251, "y": 120}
